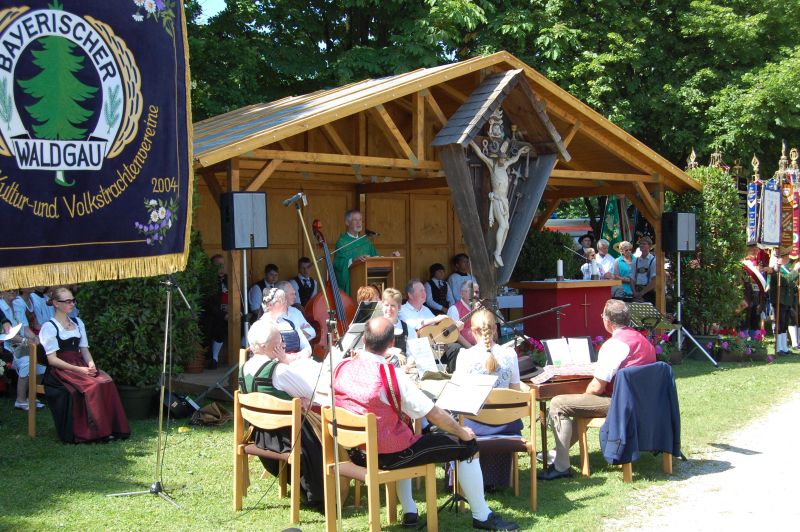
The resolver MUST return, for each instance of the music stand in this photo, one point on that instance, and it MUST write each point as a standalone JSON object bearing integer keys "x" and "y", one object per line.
{"x": 646, "y": 316}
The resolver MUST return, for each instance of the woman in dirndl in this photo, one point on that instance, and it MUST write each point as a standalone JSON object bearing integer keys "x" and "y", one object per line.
{"x": 83, "y": 400}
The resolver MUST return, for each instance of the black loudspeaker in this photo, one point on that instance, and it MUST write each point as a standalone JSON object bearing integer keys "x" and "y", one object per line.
{"x": 678, "y": 231}
{"x": 244, "y": 220}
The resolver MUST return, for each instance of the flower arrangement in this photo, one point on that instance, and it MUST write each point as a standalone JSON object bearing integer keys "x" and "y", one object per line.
{"x": 160, "y": 10}
{"x": 739, "y": 347}
{"x": 534, "y": 349}
{"x": 666, "y": 351}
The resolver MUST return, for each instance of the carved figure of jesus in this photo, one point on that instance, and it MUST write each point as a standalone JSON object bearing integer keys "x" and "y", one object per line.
{"x": 498, "y": 197}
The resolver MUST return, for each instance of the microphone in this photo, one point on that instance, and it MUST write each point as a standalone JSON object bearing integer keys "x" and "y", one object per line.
{"x": 367, "y": 232}
{"x": 295, "y": 199}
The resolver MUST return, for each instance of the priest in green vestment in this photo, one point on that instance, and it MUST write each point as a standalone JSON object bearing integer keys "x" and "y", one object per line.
{"x": 354, "y": 252}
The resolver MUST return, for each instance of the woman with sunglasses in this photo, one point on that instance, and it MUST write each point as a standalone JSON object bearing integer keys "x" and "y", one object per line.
{"x": 84, "y": 401}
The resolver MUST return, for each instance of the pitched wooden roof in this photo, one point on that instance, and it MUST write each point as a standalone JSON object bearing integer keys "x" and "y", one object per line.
{"x": 268, "y": 137}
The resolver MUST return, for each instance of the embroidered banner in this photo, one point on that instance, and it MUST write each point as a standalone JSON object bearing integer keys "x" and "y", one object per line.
{"x": 95, "y": 148}
{"x": 770, "y": 214}
{"x": 753, "y": 204}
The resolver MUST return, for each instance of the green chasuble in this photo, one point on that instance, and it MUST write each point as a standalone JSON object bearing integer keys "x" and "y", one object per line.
{"x": 342, "y": 258}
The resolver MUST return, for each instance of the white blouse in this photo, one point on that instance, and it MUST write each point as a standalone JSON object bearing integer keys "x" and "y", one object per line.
{"x": 48, "y": 335}
{"x": 473, "y": 360}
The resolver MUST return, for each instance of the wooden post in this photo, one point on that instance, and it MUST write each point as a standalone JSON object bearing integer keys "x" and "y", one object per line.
{"x": 661, "y": 281}
{"x": 233, "y": 265}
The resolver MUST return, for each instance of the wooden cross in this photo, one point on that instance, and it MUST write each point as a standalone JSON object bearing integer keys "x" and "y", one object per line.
{"x": 586, "y": 306}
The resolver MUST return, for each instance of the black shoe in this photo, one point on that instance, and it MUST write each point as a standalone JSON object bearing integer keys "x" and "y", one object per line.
{"x": 494, "y": 522}
{"x": 213, "y": 364}
{"x": 410, "y": 520}
{"x": 551, "y": 473}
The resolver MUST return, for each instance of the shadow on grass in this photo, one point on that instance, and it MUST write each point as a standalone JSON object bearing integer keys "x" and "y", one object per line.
{"x": 52, "y": 469}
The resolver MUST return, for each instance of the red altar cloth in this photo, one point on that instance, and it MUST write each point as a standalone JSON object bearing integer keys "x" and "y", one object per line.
{"x": 581, "y": 318}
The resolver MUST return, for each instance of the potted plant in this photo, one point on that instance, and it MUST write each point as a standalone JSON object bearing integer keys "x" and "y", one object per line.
{"x": 125, "y": 322}
{"x": 666, "y": 351}
{"x": 739, "y": 347}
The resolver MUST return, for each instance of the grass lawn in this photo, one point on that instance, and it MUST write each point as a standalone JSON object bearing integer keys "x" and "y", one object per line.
{"x": 54, "y": 486}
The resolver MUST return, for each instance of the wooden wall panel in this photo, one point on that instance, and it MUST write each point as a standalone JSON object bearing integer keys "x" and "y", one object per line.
{"x": 206, "y": 219}
{"x": 430, "y": 239}
{"x": 388, "y": 215}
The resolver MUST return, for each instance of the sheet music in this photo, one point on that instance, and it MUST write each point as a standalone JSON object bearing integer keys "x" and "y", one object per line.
{"x": 419, "y": 350}
{"x": 465, "y": 393}
{"x": 569, "y": 351}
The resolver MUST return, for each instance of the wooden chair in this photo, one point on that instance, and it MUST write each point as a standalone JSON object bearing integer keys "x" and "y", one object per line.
{"x": 504, "y": 406}
{"x": 586, "y": 423}
{"x": 264, "y": 411}
{"x": 33, "y": 390}
{"x": 583, "y": 424}
{"x": 361, "y": 430}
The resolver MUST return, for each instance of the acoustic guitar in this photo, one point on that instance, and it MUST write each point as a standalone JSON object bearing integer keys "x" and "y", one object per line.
{"x": 446, "y": 331}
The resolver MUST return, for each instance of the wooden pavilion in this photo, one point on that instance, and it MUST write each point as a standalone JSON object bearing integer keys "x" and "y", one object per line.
{"x": 367, "y": 145}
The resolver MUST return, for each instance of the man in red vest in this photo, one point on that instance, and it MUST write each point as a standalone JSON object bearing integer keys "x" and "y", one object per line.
{"x": 366, "y": 383}
{"x": 626, "y": 347}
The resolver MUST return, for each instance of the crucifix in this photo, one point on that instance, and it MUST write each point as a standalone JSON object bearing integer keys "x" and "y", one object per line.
{"x": 586, "y": 306}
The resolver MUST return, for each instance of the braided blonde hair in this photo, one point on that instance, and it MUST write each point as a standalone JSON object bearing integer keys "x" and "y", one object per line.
{"x": 484, "y": 328}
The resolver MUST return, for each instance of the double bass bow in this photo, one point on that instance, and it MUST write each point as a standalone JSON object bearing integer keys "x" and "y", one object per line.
{"x": 317, "y": 308}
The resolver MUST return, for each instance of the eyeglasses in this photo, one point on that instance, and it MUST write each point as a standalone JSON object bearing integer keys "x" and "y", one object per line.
{"x": 67, "y": 301}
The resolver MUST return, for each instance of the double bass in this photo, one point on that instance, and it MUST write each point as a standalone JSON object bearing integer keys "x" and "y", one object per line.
{"x": 317, "y": 308}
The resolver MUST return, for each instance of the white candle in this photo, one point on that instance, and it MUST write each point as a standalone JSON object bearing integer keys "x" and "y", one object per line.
{"x": 559, "y": 268}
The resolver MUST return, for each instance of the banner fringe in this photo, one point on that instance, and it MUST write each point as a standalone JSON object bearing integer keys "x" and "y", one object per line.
{"x": 88, "y": 271}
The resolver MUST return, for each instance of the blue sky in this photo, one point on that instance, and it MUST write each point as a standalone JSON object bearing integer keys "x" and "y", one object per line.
{"x": 211, "y": 8}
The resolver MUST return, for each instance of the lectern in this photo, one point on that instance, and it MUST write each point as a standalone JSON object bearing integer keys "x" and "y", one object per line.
{"x": 378, "y": 271}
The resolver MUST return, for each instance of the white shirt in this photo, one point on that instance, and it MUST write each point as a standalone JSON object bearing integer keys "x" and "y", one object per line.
{"x": 456, "y": 280}
{"x": 398, "y": 330}
{"x": 429, "y": 295}
{"x": 611, "y": 355}
{"x": 49, "y": 340}
{"x": 414, "y": 317}
{"x": 452, "y": 312}
{"x": 413, "y": 402}
{"x": 298, "y": 379}
{"x": 607, "y": 263}
{"x": 473, "y": 361}
{"x": 296, "y": 317}
{"x": 644, "y": 262}
{"x": 586, "y": 270}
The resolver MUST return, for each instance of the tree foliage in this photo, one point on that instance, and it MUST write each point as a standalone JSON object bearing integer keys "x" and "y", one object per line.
{"x": 712, "y": 276}
{"x": 676, "y": 74}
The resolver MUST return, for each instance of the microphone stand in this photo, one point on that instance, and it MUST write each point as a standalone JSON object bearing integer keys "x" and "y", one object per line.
{"x": 156, "y": 488}
{"x": 331, "y": 325}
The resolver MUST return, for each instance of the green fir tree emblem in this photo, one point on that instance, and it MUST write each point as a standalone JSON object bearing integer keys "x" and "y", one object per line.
{"x": 58, "y": 112}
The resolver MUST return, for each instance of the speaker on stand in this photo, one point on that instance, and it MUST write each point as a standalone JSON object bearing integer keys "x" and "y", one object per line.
{"x": 678, "y": 234}
{"x": 243, "y": 219}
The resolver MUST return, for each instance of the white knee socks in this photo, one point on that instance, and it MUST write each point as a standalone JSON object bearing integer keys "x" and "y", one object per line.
{"x": 470, "y": 477}
{"x": 406, "y": 498}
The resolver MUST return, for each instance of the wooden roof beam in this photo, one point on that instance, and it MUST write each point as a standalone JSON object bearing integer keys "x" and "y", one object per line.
{"x": 453, "y": 93}
{"x": 571, "y": 133}
{"x": 603, "y": 176}
{"x": 265, "y": 173}
{"x": 418, "y": 125}
{"x": 434, "y": 107}
{"x": 647, "y": 199}
{"x": 402, "y": 186}
{"x": 392, "y": 132}
{"x": 213, "y": 186}
{"x": 580, "y": 192}
{"x": 541, "y": 220}
{"x": 335, "y": 139}
{"x": 354, "y": 170}
{"x": 335, "y": 158}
